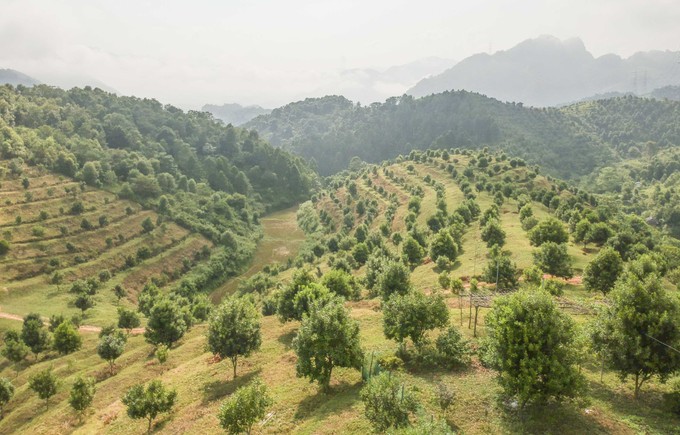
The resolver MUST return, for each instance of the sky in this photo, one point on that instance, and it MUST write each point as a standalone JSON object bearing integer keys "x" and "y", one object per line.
{"x": 271, "y": 52}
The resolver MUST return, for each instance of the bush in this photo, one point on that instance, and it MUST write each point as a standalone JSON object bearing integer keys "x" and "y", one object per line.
{"x": 387, "y": 403}
{"x": 452, "y": 349}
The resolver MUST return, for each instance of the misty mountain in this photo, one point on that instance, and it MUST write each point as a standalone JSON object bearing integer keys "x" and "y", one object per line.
{"x": 546, "y": 71}
{"x": 14, "y": 78}
{"x": 369, "y": 85}
{"x": 234, "y": 113}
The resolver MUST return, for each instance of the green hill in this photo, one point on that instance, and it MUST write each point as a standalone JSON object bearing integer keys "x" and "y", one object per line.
{"x": 567, "y": 142}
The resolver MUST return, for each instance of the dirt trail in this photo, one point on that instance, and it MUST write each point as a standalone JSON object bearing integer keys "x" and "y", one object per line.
{"x": 82, "y": 328}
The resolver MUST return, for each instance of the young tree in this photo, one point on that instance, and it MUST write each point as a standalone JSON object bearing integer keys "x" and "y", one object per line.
{"x": 554, "y": 259}
{"x": 34, "y": 335}
{"x": 530, "y": 342}
{"x": 82, "y": 394}
{"x": 637, "y": 329}
{"x": 412, "y": 252}
{"x": 285, "y": 299}
{"x": 148, "y": 225}
{"x": 387, "y": 403}
{"x": 603, "y": 271}
{"x": 84, "y": 302}
{"x": 327, "y": 338}
{"x": 166, "y": 323}
{"x": 110, "y": 347}
{"x": 15, "y": 351}
{"x": 234, "y": 330}
{"x": 66, "y": 338}
{"x": 148, "y": 403}
{"x": 443, "y": 245}
{"x": 342, "y": 284}
{"x": 493, "y": 233}
{"x": 411, "y": 315}
{"x": 45, "y": 384}
{"x": 501, "y": 269}
{"x": 6, "y": 393}
{"x": 582, "y": 232}
{"x": 245, "y": 407}
{"x": 119, "y": 292}
{"x": 128, "y": 319}
{"x": 395, "y": 278}
{"x": 548, "y": 230}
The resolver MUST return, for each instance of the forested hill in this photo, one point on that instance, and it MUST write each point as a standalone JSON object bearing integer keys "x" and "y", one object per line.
{"x": 568, "y": 142}
{"x": 212, "y": 179}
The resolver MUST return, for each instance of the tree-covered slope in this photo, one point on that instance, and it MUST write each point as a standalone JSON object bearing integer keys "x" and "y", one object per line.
{"x": 567, "y": 142}
{"x": 209, "y": 178}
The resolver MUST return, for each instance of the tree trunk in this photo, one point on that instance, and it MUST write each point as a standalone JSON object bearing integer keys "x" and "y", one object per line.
{"x": 475, "y": 330}
{"x": 234, "y": 362}
{"x": 148, "y": 429}
{"x": 637, "y": 385}
{"x": 460, "y": 306}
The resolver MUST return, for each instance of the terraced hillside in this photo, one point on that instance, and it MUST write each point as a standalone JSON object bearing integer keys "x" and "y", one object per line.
{"x": 60, "y": 231}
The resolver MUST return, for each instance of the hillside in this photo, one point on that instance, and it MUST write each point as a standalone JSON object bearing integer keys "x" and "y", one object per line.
{"x": 568, "y": 142}
{"x": 14, "y": 78}
{"x": 546, "y": 71}
{"x": 376, "y": 201}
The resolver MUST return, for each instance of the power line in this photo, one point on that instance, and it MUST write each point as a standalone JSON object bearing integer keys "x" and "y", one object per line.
{"x": 659, "y": 341}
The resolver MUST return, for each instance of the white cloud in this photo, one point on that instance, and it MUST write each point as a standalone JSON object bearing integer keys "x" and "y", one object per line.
{"x": 269, "y": 52}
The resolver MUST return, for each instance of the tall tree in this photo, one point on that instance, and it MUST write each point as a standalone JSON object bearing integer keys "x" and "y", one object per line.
{"x": 530, "y": 343}
{"x": 639, "y": 329}
{"x": 166, "y": 324}
{"x": 603, "y": 271}
{"x": 412, "y": 314}
{"x": 148, "y": 403}
{"x": 45, "y": 384}
{"x": 327, "y": 338}
{"x": 234, "y": 330}
{"x": 245, "y": 407}
{"x": 34, "y": 334}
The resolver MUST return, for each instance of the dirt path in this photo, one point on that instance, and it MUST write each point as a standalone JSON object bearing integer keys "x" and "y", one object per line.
{"x": 82, "y": 328}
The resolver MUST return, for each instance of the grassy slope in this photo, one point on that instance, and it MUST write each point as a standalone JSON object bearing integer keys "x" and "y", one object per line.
{"x": 299, "y": 407}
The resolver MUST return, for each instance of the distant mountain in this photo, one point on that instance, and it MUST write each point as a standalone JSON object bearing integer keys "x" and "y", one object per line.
{"x": 546, "y": 71}
{"x": 370, "y": 85}
{"x": 234, "y": 113}
{"x": 667, "y": 92}
{"x": 14, "y": 78}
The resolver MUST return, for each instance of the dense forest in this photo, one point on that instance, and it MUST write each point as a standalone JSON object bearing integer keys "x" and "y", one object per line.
{"x": 567, "y": 142}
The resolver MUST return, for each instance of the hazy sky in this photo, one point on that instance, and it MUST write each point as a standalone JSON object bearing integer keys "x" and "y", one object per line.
{"x": 270, "y": 52}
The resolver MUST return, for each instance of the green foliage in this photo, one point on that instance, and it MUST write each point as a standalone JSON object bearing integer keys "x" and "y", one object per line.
{"x": 45, "y": 384}
{"x": 327, "y": 338}
{"x": 637, "y": 328}
{"x": 603, "y": 271}
{"x": 501, "y": 268}
{"x": 82, "y": 394}
{"x": 66, "y": 338}
{"x": 530, "y": 344}
{"x": 493, "y": 233}
{"x": 307, "y": 217}
{"x": 110, "y": 347}
{"x": 148, "y": 403}
{"x": 412, "y": 251}
{"x": 6, "y": 393}
{"x": 411, "y": 315}
{"x": 162, "y": 353}
{"x": 167, "y": 323}
{"x": 286, "y": 308}
{"x": 4, "y": 247}
{"x": 360, "y": 253}
{"x": 387, "y": 402}
{"x": 554, "y": 259}
{"x": 393, "y": 279}
{"x": 234, "y": 330}
{"x": 128, "y": 319}
{"x": 443, "y": 245}
{"x": 548, "y": 230}
{"x": 452, "y": 349}
{"x": 15, "y": 350}
{"x": 245, "y": 407}
{"x": 342, "y": 284}
{"x": 34, "y": 335}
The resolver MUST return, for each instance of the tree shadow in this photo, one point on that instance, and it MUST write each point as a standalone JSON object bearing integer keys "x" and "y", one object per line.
{"x": 650, "y": 408}
{"x": 339, "y": 398}
{"x": 287, "y": 339}
{"x": 562, "y": 418}
{"x": 221, "y": 388}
